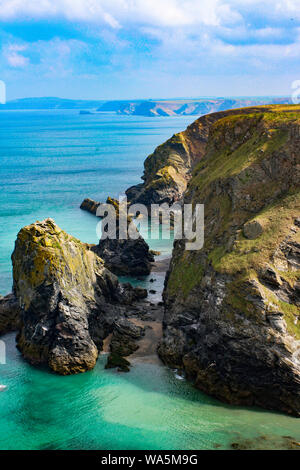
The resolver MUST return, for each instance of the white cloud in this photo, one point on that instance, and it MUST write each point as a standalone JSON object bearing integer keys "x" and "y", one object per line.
{"x": 116, "y": 12}
{"x": 13, "y": 56}
{"x": 197, "y": 35}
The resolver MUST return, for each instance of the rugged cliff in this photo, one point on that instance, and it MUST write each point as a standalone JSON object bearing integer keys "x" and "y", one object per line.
{"x": 68, "y": 299}
{"x": 168, "y": 169}
{"x": 232, "y": 319}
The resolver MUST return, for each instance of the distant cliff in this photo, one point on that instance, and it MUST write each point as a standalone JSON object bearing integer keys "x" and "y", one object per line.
{"x": 184, "y": 107}
{"x": 232, "y": 319}
{"x": 151, "y": 108}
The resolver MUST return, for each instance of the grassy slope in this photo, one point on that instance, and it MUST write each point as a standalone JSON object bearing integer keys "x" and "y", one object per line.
{"x": 231, "y": 156}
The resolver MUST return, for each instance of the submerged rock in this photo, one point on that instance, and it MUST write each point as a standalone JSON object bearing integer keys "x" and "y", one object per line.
{"x": 116, "y": 361}
{"x": 123, "y": 343}
{"x": 232, "y": 318}
{"x": 68, "y": 299}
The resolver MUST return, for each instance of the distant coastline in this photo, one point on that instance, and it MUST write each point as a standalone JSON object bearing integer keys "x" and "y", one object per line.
{"x": 150, "y": 108}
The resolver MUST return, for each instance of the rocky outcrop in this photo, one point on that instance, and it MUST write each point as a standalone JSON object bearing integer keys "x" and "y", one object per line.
{"x": 130, "y": 256}
{"x": 9, "y": 314}
{"x": 90, "y": 205}
{"x": 68, "y": 300}
{"x": 123, "y": 343}
{"x": 232, "y": 319}
{"x": 168, "y": 169}
{"x": 126, "y": 257}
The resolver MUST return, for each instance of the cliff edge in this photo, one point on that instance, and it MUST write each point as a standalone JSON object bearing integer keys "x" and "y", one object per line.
{"x": 232, "y": 319}
{"x": 168, "y": 169}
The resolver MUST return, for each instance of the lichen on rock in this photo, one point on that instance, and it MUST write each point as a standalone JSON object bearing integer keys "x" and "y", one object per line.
{"x": 68, "y": 299}
{"x": 233, "y": 308}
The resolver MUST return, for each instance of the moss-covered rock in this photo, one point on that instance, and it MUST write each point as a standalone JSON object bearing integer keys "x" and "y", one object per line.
{"x": 232, "y": 309}
{"x": 67, "y": 298}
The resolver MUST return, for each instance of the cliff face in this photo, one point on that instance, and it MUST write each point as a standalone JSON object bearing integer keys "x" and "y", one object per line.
{"x": 168, "y": 169}
{"x": 232, "y": 318}
{"x": 67, "y": 298}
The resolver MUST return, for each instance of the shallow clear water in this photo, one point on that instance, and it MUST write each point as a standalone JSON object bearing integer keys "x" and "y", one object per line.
{"x": 50, "y": 161}
{"x": 148, "y": 408}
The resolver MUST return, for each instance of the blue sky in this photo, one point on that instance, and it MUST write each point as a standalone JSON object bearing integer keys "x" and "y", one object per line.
{"x": 129, "y": 49}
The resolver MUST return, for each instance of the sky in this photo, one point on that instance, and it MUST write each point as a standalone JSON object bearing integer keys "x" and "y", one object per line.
{"x": 134, "y": 49}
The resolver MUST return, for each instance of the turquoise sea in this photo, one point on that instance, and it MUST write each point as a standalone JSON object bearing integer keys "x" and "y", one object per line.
{"x": 50, "y": 161}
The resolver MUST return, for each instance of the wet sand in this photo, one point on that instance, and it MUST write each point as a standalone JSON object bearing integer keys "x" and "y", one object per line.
{"x": 147, "y": 352}
{"x": 148, "y": 314}
{"x": 161, "y": 266}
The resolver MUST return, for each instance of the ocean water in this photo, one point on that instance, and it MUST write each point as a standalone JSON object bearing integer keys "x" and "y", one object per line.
{"x": 148, "y": 408}
{"x": 50, "y": 161}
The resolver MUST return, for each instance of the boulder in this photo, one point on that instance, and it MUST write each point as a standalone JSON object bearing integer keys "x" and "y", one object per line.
{"x": 123, "y": 343}
{"x": 252, "y": 229}
{"x": 130, "y": 256}
{"x": 90, "y": 205}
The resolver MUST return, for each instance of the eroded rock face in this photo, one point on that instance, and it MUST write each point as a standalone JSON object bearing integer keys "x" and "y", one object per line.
{"x": 9, "y": 314}
{"x": 168, "y": 169}
{"x": 123, "y": 343}
{"x": 125, "y": 256}
{"x": 68, "y": 299}
{"x": 232, "y": 318}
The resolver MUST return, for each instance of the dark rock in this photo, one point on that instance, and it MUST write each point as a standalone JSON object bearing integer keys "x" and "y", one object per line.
{"x": 10, "y": 319}
{"x": 129, "y": 256}
{"x": 90, "y": 205}
{"x": 114, "y": 360}
{"x": 67, "y": 297}
{"x": 124, "y": 340}
{"x": 126, "y": 257}
{"x": 126, "y": 294}
{"x": 252, "y": 229}
{"x": 232, "y": 308}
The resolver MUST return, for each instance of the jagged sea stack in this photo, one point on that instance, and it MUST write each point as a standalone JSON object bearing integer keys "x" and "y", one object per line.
{"x": 129, "y": 257}
{"x": 67, "y": 298}
{"x": 232, "y": 319}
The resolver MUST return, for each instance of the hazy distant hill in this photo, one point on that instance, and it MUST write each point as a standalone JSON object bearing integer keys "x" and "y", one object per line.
{"x": 51, "y": 103}
{"x": 174, "y": 107}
